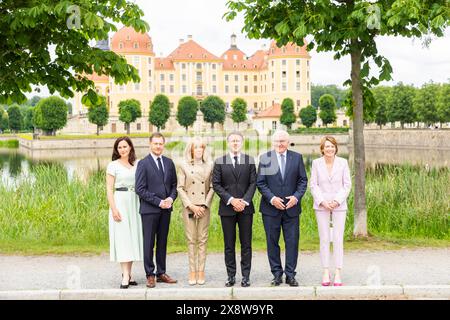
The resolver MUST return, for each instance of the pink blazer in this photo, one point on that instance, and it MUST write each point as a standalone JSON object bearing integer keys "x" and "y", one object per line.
{"x": 335, "y": 187}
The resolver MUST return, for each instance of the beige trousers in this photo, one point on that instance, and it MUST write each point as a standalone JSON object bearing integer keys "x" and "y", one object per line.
{"x": 196, "y": 230}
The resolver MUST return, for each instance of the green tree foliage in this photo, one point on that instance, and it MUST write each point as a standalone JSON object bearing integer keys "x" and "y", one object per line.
{"x": 50, "y": 114}
{"x": 159, "y": 111}
{"x": 239, "y": 113}
{"x": 347, "y": 28}
{"x": 33, "y": 27}
{"x": 382, "y": 96}
{"x": 401, "y": 104}
{"x": 308, "y": 115}
{"x": 129, "y": 111}
{"x": 443, "y": 107}
{"x": 287, "y": 112}
{"x": 319, "y": 90}
{"x": 4, "y": 122}
{"x": 370, "y": 105}
{"x": 327, "y": 106}
{"x": 15, "y": 118}
{"x": 28, "y": 113}
{"x": 187, "y": 111}
{"x": 33, "y": 101}
{"x": 98, "y": 114}
{"x": 213, "y": 109}
{"x": 425, "y": 103}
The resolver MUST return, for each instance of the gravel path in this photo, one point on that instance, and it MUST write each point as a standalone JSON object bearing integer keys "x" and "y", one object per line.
{"x": 399, "y": 267}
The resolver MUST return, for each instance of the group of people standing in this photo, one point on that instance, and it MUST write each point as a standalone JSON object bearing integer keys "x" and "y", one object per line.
{"x": 141, "y": 195}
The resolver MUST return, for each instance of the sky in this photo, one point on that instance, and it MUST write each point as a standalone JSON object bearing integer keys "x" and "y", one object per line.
{"x": 171, "y": 20}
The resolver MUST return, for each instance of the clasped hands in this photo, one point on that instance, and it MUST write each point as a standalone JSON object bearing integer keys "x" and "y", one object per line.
{"x": 199, "y": 211}
{"x": 278, "y": 202}
{"x": 166, "y": 203}
{"x": 238, "y": 204}
{"x": 329, "y": 205}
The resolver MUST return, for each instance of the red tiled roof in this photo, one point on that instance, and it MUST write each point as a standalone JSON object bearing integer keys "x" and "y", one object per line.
{"x": 164, "y": 64}
{"x": 273, "y": 112}
{"x": 191, "y": 50}
{"x": 288, "y": 50}
{"x": 129, "y": 38}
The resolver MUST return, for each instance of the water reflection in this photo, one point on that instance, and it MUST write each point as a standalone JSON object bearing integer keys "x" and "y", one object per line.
{"x": 16, "y": 164}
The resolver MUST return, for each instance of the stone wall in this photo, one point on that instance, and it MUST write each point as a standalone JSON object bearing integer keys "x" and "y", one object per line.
{"x": 416, "y": 139}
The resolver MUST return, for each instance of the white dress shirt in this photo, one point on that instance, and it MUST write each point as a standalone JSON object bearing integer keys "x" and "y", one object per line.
{"x": 232, "y": 155}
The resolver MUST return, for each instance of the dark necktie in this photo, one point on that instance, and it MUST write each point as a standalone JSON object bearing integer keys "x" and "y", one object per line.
{"x": 236, "y": 165}
{"x": 283, "y": 165}
{"x": 160, "y": 167}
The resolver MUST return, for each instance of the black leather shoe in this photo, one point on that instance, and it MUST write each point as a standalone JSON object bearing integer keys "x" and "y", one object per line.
{"x": 230, "y": 282}
{"x": 245, "y": 282}
{"x": 292, "y": 282}
{"x": 276, "y": 281}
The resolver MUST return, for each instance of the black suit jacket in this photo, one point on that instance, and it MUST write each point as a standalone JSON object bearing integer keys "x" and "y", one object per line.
{"x": 270, "y": 183}
{"x": 151, "y": 188}
{"x": 229, "y": 182}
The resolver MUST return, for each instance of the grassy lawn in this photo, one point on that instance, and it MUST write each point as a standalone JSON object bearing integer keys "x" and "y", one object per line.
{"x": 50, "y": 213}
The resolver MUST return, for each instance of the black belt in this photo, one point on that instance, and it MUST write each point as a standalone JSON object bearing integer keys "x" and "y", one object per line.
{"x": 125, "y": 189}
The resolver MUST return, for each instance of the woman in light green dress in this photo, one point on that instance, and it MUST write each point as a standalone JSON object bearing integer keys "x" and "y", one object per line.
{"x": 125, "y": 226}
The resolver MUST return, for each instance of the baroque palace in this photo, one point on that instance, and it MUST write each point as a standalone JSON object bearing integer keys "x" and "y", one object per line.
{"x": 263, "y": 79}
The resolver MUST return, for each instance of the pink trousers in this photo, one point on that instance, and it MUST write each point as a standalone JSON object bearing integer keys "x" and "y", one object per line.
{"x": 337, "y": 236}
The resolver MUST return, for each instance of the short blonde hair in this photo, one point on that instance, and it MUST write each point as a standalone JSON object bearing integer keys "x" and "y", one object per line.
{"x": 330, "y": 139}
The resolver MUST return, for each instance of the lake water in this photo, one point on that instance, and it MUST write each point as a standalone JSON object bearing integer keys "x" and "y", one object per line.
{"x": 16, "y": 163}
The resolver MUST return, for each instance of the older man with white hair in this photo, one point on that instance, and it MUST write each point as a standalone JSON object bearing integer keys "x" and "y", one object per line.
{"x": 282, "y": 182}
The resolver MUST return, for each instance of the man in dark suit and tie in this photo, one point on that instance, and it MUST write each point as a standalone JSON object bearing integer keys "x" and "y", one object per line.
{"x": 282, "y": 182}
{"x": 156, "y": 186}
{"x": 234, "y": 181}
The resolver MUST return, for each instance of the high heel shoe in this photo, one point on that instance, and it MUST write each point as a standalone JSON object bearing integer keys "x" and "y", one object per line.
{"x": 192, "y": 278}
{"x": 326, "y": 283}
{"x": 201, "y": 277}
{"x": 337, "y": 283}
{"x": 131, "y": 283}
{"x": 125, "y": 286}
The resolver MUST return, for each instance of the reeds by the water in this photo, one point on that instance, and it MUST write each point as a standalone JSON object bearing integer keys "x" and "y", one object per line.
{"x": 49, "y": 209}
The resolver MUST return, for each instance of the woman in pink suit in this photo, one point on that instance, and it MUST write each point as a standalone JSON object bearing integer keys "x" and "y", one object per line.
{"x": 330, "y": 187}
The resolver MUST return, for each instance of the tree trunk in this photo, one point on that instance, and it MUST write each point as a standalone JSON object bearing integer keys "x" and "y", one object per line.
{"x": 128, "y": 129}
{"x": 98, "y": 130}
{"x": 360, "y": 211}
